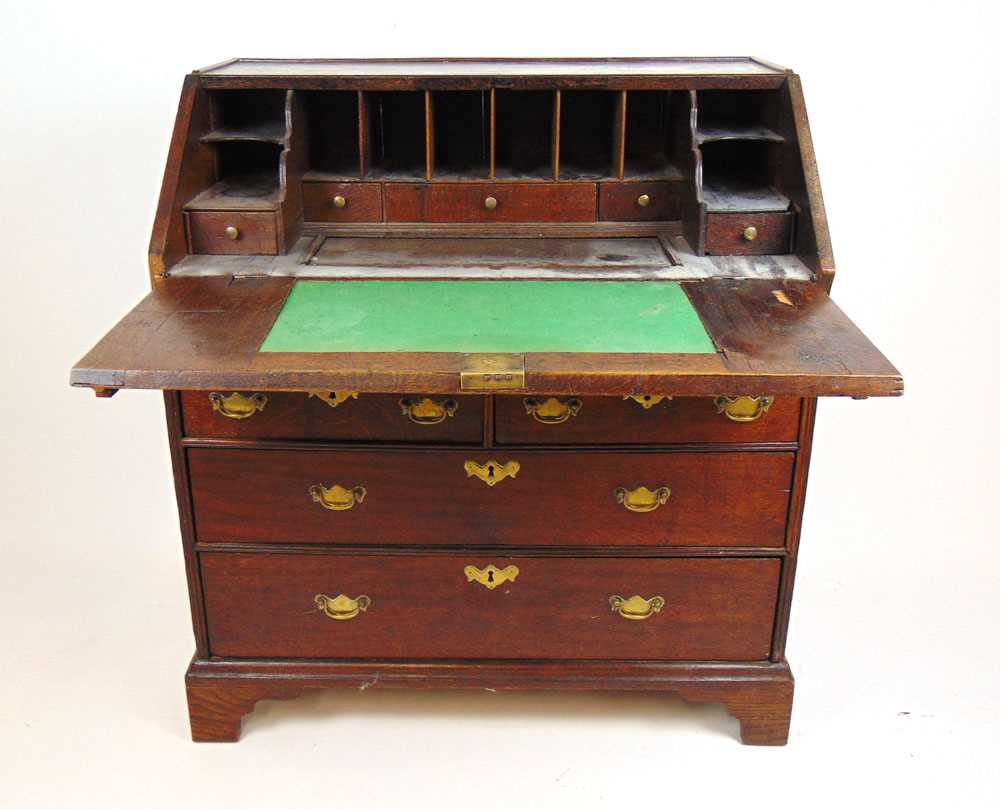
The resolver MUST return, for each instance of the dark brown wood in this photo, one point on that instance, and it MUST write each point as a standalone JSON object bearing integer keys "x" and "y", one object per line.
{"x": 619, "y": 201}
{"x": 617, "y": 420}
{"x": 257, "y": 233}
{"x": 516, "y": 202}
{"x": 759, "y": 695}
{"x": 371, "y": 418}
{"x": 724, "y": 233}
{"x": 557, "y": 498}
{"x": 263, "y": 606}
{"x": 363, "y": 202}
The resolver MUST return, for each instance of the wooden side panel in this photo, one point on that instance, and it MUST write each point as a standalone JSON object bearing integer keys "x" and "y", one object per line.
{"x": 263, "y": 605}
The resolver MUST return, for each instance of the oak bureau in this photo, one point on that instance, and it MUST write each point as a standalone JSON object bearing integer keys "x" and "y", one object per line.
{"x": 490, "y": 374}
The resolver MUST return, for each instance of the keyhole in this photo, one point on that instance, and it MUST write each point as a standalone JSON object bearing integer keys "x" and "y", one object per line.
{"x": 489, "y": 576}
{"x": 489, "y": 470}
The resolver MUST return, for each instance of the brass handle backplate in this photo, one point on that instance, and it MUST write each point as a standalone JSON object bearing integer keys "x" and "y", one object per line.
{"x": 337, "y": 497}
{"x": 743, "y": 408}
{"x": 490, "y": 203}
{"x": 428, "y": 411}
{"x": 647, "y": 400}
{"x": 236, "y": 405}
{"x": 333, "y": 398}
{"x": 750, "y": 233}
{"x": 232, "y": 232}
{"x": 636, "y": 608}
{"x": 492, "y": 472}
{"x": 342, "y": 608}
{"x": 642, "y": 500}
{"x": 339, "y": 201}
{"x": 552, "y": 411}
{"x": 491, "y": 576}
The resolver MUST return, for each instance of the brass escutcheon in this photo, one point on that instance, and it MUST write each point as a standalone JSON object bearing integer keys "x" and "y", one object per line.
{"x": 552, "y": 410}
{"x": 641, "y": 500}
{"x": 636, "y": 608}
{"x": 428, "y": 411}
{"x": 492, "y": 472}
{"x": 491, "y": 576}
{"x": 236, "y": 405}
{"x": 342, "y": 608}
{"x": 337, "y": 497}
{"x": 647, "y": 400}
{"x": 333, "y": 398}
{"x": 743, "y": 408}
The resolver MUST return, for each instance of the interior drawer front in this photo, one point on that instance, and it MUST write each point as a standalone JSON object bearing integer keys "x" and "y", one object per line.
{"x": 468, "y": 202}
{"x": 398, "y": 497}
{"x": 617, "y": 420}
{"x": 376, "y": 418}
{"x": 255, "y": 233}
{"x": 342, "y": 202}
{"x": 639, "y": 202}
{"x": 727, "y": 234}
{"x": 265, "y": 605}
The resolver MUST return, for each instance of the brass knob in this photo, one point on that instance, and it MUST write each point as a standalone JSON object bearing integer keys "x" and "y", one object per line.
{"x": 643, "y": 200}
{"x": 339, "y": 201}
{"x": 490, "y": 203}
{"x": 750, "y": 233}
{"x": 233, "y": 233}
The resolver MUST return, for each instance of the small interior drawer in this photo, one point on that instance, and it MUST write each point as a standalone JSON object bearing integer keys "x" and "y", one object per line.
{"x": 471, "y": 606}
{"x": 491, "y": 202}
{"x": 228, "y": 233}
{"x": 342, "y": 202}
{"x": 748, "y": 234}
{"x": 334, "y": 416}
{"x": 639, "y": 202}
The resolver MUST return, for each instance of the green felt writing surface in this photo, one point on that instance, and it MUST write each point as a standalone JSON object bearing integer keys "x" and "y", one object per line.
{"x": 488, "y": 317}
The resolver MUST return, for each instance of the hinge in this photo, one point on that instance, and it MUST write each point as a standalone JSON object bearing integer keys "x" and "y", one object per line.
{"x": 492, "y": 372}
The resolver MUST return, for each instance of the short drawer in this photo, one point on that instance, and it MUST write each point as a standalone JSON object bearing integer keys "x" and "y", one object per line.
{"x": 225, "y": 233}
{"x": 432, "y": 606}
{"x": 748, "y": 234}
{"x": 639, "y": 202}
{"x": 645, "y": 420}
{"x": 490, "y": 497}
{"x": 342, "y": 202}
{"x": 325, "y": 415}
{"x": 487, "y": 202}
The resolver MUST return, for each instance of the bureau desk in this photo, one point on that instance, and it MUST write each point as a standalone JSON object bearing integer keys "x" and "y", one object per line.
{"x": 494, "y": 374}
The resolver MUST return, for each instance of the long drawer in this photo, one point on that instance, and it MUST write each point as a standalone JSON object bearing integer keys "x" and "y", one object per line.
{"x": 645, "y": 420}
{"x": 331, "y": 416}
{"x": 490, "y": 202}
{"x": 491, "y": 497}
{"x": 446, "y": 606}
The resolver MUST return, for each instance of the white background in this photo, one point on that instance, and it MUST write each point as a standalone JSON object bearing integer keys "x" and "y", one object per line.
{"x": 894, "y": 629}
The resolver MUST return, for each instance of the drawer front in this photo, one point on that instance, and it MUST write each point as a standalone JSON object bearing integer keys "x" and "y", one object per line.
{"x": 265, "y": 605}
{"x": 342, "y": 202}
{"x": 398, "y": 497}
{"x": 726, "y": 234}
{"x": 371, "y": 418}
{"x": 639, "y": 202}
{"x": 614, "y": 420}
{"x": 256, "y": 233}
{"x": 468, "y": 202}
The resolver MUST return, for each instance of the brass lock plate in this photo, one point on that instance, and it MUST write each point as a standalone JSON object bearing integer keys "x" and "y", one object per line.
{"x": 492, "y": 372}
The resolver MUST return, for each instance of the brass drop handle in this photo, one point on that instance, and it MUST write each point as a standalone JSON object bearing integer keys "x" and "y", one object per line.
{"x": 552, "y": 410}
{"x": 342, "y": 608}
{"x": 339, "y": 201}
{"x": 646, "y": 400}
{"x": 636, "y": 608}
{"x": 750, "y": 233}
{"x": 232, "y": 232}
{"x": 642, "y": 500}
{"x": 643, "y": 200}
{"x": 428, "y": 411}
{"x": 492, "y": 472}
{"x": 236, "y": 405}
{"x": 490, "y": 203}
{"x": 491, "y": 576}
{"x": 337, "y": 497}
{"x": 743, "y": 408}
